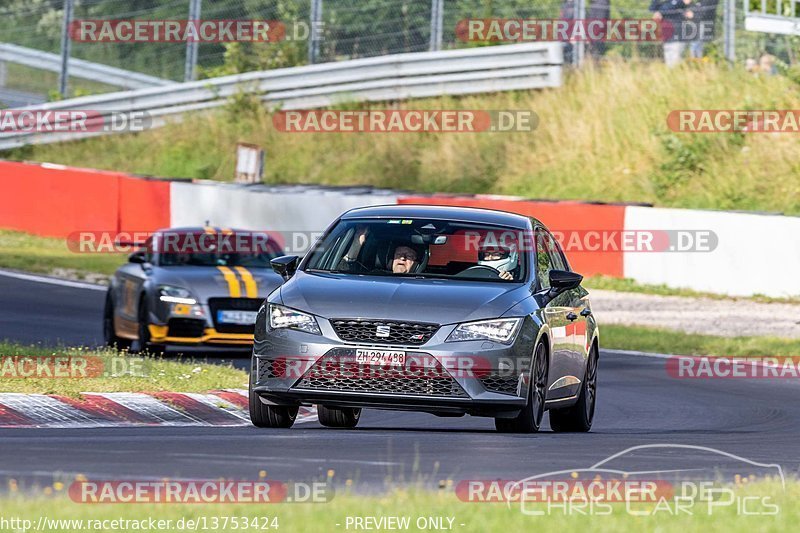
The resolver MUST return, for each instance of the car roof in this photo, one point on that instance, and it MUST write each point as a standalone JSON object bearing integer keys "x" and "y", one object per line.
{"x": 442, "y": 212}
{"x": 205, "y": 229}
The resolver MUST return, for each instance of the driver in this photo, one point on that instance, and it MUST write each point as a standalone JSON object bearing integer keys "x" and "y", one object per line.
{"x": 404, "y": 260}
{"x": 502, "y": 259}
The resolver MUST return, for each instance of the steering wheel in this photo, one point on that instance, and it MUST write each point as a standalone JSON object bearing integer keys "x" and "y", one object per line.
{"x": 479, "y": 271}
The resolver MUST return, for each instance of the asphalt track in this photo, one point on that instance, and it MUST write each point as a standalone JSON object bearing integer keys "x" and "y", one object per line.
{"x": 638, "y": 404}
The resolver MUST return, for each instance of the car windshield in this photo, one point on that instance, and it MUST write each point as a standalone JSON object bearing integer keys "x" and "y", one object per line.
{"x": 241, "y": 249}
{"x": 424, "y": 248}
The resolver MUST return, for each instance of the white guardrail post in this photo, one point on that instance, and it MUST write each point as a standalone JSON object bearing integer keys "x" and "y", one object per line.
{"x": 392, "y": 77}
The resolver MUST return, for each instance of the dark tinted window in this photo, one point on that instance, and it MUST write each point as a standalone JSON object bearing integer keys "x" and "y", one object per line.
{"x": 544, "y": 263}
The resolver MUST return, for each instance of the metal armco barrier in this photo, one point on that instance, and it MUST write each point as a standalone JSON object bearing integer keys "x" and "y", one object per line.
{"x": 127, "y": 79}
{"x": 392, "y": 77}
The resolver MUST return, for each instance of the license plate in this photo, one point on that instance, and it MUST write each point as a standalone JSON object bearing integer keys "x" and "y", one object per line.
{"x": 380, "y": 357}
{"x": 243, "y": 318}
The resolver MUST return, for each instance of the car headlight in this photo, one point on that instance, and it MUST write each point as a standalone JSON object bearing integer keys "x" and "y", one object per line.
{"x": 175, "y": 295}
{"x": 501, "y": 330}
{"x": 283, "y": 317}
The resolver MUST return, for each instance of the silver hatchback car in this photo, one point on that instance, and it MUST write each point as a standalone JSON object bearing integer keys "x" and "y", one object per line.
{"x": 445, "y": 310}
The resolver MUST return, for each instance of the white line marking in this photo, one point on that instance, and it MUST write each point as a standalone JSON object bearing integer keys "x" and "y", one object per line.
{"x": 53, "y": 281}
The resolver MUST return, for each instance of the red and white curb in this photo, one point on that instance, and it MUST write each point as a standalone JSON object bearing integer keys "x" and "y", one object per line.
{"x": 120, "y": 409}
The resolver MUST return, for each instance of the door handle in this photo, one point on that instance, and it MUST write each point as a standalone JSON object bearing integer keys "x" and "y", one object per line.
{"x": 586, "y": 312}
{"x": 571, "y": 316}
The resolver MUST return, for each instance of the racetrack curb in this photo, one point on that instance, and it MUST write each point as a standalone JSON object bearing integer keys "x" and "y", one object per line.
{"x": 126, "y": 409}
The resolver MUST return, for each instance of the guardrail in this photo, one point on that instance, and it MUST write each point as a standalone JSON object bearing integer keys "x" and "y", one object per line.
{"x": 12, "y": 98}
{"x": 127, "y": 79}
{"x": 392, "y": 77}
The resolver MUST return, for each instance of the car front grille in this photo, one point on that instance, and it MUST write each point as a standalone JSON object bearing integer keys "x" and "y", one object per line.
{"x": 238, "y": 304}
{"x": 185, "y": 327}
{"x": 506, "y": 384}
{"x": 271, "y": 368}
{"x": 337, "y": 372}
{"x": 369, "y": 331}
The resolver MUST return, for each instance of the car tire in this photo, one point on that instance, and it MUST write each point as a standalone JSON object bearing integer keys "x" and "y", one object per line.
{"x": 270, "y": 416}
{"x": 144, "y": 331}
{"x": 109, "y": 334}
{"x": 529, "y": 420}
{"x": 346, "y": 417}
{"x": 579, "y": 417}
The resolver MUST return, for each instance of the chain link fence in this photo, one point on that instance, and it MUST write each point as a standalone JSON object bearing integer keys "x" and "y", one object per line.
{"x": 344, "y": 29}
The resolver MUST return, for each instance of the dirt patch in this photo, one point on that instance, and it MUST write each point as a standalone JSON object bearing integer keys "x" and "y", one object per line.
{"x": 726, "y": 318}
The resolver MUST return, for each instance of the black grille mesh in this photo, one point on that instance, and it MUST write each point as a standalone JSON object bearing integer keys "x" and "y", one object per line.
{"x": 186, "y": 327}
{"x": 400, "y": 333}
{"x": 271, "y": 368}
{"x": 336, "y": 373}
{"x": 506, "y": 384}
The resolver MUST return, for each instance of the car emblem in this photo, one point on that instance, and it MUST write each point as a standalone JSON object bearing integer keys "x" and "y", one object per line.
{"x": 382, "y": 331}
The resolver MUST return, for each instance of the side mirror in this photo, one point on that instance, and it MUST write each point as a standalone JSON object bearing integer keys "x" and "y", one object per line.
{"x": 285, "y": 266}
{"x": 563, "y": 280}
{"x": 138, "y": 257}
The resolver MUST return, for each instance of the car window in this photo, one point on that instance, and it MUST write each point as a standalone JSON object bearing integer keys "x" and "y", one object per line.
{"x": 176, "y": 249}
{"x": 555, "y": 253}
{"x": 421, "y": 248}
{"x": 544, "y": 262}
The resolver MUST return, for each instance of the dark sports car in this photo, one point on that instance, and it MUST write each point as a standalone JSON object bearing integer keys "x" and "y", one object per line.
{"x": 445, "y": 310}
{"x": 191, "y": 288}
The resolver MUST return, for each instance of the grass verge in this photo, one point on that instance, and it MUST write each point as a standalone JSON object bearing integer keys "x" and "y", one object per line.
{"x": 602, "y": 136}
{"x": 658, "y": 340}
{"x": 107, "y": 370}
{"x": 417, "y": 503}
{"x": 47, "y": 255}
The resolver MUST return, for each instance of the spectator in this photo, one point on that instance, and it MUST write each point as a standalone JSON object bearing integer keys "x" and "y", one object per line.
{"x": 597, "y": 9}
{"x": 704, "y": 17}
{"x": 671, "y": 14}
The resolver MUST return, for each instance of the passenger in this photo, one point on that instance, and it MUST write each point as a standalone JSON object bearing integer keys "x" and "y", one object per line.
{"x": 503, "y": 260}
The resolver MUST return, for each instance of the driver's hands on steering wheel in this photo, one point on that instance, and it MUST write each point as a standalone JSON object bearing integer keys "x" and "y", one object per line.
{"x": 506, "y": 275}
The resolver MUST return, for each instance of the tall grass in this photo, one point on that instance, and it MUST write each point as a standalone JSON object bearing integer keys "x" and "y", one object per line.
{"x": 603, "y": 136}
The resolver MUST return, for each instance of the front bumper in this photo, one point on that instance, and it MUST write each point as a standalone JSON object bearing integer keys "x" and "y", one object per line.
{"x": 177, "y": 325}
{"x": 450, "y": 378}
{"x": 210, "y": 338}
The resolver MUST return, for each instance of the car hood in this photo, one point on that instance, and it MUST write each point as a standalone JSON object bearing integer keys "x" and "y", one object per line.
{"x": 420, "y": 300}
{"x": 209, "y": 282}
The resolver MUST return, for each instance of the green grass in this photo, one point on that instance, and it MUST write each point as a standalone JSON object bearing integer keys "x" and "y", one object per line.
{"x": 416, "y": 503}
{"x": 603, "y": 136}
{"x": 675, "y": 342}
{"x": 121, "y": 372}
{"x": 45, "y": 255}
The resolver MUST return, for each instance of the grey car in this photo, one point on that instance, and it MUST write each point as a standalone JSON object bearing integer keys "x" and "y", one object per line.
{"x": 444, "y": 310}
{"x": 190, "y": 289}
